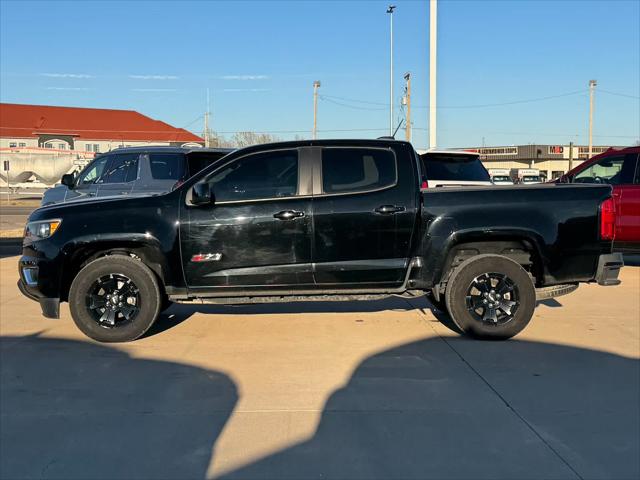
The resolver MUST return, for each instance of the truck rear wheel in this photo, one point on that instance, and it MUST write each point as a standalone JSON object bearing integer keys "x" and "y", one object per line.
{"x": 115, "y": 299}
{"x": 490, "y": 296}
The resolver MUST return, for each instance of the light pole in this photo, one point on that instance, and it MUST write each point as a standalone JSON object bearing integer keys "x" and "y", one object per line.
{"x": 433, "y": 39}
{"x": 316, "y": 85}
{"x": 390, "y": 10}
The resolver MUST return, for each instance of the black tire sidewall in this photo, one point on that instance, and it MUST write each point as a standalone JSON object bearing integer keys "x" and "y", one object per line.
{"x": 149, "y": 294}
{"x": 458, "y": 286}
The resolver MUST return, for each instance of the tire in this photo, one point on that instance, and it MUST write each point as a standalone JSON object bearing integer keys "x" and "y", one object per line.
{"x": 490, "y": 274}
{"x": 132, "y": 317}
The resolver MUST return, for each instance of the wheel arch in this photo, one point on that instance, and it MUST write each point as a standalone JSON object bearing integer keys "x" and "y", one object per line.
{"x": 80, "y": 255}
{"x": 522, "y": 246}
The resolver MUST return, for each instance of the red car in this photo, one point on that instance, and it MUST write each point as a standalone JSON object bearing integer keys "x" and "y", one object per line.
{"x": 621, "y": 169}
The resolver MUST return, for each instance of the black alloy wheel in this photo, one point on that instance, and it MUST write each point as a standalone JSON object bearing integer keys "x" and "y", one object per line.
{"x": 113, "y": 300}
{"x": 492, "y": 298}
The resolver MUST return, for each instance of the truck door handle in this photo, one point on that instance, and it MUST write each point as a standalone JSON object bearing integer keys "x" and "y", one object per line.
{"x": 389, "y": 209}
{"x": 288, "y": 215}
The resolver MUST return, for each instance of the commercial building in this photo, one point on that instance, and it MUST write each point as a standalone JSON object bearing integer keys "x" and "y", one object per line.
{"x": 84, "y": 129}
{"x": 551, "y": 160}
{"x": 40, "y": 142}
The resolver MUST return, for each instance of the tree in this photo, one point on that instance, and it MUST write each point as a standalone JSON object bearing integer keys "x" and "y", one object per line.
{"x": 245, "y": 139}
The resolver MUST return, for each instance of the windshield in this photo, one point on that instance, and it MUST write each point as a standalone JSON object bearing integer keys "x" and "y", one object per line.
{"x": 501, "y": 178}
{"x": 467, "y": 168}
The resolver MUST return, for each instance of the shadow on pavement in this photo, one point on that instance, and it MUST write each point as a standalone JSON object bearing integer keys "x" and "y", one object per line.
{"x": 468, "y": 409}
{"x": 80, "y": 410}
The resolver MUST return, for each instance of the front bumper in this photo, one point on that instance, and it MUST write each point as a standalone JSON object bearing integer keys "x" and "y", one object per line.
{"x": 40, "y": 281}
{"x": 609, "y": 266}
{"x": 50, "y": 306}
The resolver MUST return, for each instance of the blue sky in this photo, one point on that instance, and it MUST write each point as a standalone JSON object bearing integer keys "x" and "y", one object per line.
{"x": 259, "y": 59}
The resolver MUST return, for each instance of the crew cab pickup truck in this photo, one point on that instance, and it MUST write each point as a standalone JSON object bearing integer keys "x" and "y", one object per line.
{"x": 330, "y": 219}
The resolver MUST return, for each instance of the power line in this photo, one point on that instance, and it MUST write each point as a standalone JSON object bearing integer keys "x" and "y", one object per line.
{"x": 484, "y": 105}
{"x": 619, "y": 94}
{"x": 322, "y": 97}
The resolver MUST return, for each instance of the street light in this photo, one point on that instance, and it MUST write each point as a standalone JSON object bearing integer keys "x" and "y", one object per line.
{"x": 390, "y": 10}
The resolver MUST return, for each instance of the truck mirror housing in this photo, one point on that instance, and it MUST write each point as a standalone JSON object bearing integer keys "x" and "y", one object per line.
{"x": 202, "y": 194}
{"x": 67, "y": 180}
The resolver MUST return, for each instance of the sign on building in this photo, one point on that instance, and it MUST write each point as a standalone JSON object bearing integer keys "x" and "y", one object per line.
{"x": 556, "y": 149}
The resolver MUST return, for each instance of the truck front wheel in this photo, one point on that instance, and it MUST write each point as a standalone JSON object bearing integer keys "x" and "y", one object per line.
{"x": 115, "y": 299}
{"x": 490, "y": 296}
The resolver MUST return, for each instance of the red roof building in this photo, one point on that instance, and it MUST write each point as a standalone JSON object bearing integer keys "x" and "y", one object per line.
{"x": 84, "y": 129}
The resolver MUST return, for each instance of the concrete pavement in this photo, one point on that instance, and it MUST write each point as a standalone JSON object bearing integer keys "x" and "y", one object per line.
{"x": 324, "y": 390}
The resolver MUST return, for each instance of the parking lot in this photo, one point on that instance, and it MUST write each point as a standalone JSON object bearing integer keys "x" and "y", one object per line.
{"x": 377, "y": 389}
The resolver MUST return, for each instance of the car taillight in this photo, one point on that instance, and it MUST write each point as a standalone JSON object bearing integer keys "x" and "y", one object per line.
{"x": 424, "y": 185}
{"x": 608, "y": 219}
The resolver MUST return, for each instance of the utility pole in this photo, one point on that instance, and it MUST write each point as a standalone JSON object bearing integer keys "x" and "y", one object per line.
{"x": 407, "y": 98}
{"x": 433, "y": 38}
{"x": 592, "y": 88}
{"x": 206, "y": 134}
{"x": 390, "y": 10}
{"x": 316, "y": 85}
{"x": 570, "y": 155}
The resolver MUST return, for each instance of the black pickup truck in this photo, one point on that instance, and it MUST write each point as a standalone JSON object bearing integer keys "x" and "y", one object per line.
{"x": 331, "y": 219}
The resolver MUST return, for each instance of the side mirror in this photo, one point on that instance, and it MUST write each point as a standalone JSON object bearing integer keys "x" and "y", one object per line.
{"x": 67, "y": 180}
{"x": 201, "y": 194}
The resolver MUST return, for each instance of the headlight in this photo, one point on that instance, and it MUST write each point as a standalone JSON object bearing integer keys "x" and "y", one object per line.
{"x": 41, "y": 229}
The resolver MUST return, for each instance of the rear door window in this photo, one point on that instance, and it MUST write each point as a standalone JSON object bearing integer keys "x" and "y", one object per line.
{"x": 347, "y": 170}
{"x": 466, "y": 168}
{"x": 167, "y": 166}
{"x": 123, "y": 168}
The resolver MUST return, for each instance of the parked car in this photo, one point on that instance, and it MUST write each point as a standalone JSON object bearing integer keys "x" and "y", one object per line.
{"x": 133, "y": 171}
{"x": 500, "y": 176}
{"x": 327, "y": 219}
{"x": 454, "y": 168}
{"x": 526, "y": 176}
{"x": 620, "y": 169}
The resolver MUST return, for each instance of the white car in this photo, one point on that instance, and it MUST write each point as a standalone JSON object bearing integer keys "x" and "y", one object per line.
{"x": 453, "y": 168}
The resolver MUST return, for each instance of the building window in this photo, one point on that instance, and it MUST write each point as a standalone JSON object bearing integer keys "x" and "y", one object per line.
{"x": 22, "y": 144}
{"x": 48, "y": 145}
{"x": 13, "y": 144}
{"x": 62, "y": 146}
{"x": 96, "y": 148}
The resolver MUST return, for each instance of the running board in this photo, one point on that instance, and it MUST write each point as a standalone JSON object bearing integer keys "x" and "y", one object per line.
{"x": 297, "y": 298}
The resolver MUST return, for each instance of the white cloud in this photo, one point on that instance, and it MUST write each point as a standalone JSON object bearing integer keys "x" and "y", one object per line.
{"x": 69, "y": 88}
{"x": 246, "y": 90}
{"x": 245, "y": 77}
{"x": 154, "y": 77}
{"x": 153, "y": 90}
{"x": 66, "y": 75}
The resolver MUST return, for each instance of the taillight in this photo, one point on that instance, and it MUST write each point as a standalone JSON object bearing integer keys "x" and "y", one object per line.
{"x": 424, "y": 185}
{"x": 608, "y": 219}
